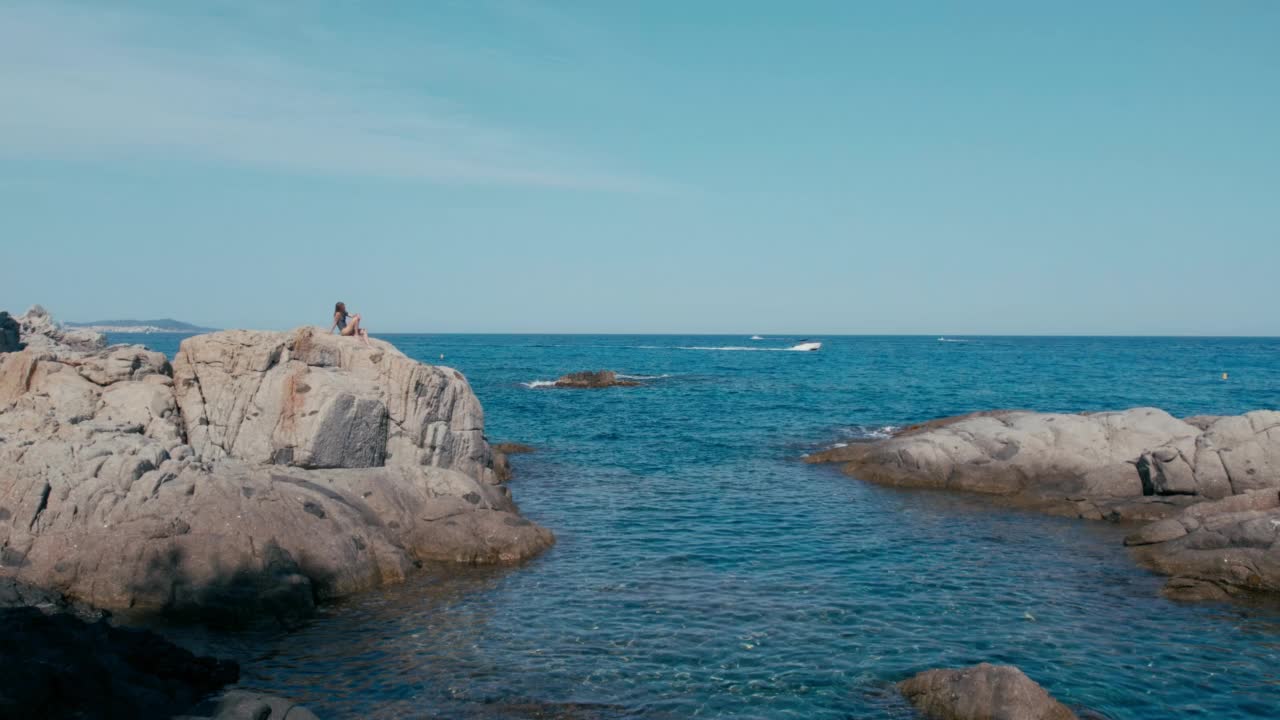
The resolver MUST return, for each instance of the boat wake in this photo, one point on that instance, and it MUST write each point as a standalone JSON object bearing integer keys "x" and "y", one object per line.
{"x": 802, "y": 347}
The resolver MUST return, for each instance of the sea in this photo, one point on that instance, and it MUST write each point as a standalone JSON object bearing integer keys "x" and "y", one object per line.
{"x": 702, "y": 570}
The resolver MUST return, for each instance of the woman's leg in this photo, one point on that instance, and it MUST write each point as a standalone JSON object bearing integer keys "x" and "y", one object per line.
{"x": 349, "y": 330}
{"x": 360, "y": 332}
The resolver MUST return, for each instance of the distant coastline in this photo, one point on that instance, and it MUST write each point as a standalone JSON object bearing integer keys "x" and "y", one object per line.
{"x": 164, "y": 325}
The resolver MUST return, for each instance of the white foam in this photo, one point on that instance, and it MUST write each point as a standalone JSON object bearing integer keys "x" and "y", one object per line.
{"x": 945, "y": 339}
{"x": 802, "y": 347}
{"x": 864, "y": 432}
{"x": 756, "y": 337}
{"x": 539, "y": 384}
{"x": 642, "y": 377}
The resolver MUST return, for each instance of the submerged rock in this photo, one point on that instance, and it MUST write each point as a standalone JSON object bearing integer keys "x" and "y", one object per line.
{"x": 59, "y": 666}
{"x": 501, "y": 451}
{"x": 514, "y": 448}
{"x": 247, "y": 705}
{"x": 982, "y": 692}
{"x": 593, "y": 379}
{"x": 1211, "y": 484}
{"x": 258, "y": 474}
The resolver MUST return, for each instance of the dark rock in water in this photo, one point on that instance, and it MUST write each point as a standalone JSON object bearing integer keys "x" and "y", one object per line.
{"x": 982, "y": 692}
{"x": 58, "y": 666}
{"x": 10, "y": 331}
{"x": 1192, "y": 590}
{"x": 15, "y": 594}
{"x": 514, "y": 448}
{"x": 594, "y": 379}
{"x": 501, "y": 465}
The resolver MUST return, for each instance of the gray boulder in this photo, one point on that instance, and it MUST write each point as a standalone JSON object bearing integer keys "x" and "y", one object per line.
{"x": 982, "y": 692}
{"x": 261, "y": 473}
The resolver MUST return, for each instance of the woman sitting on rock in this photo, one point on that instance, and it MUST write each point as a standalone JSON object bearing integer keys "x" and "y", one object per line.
{"x": 340, "y": 316}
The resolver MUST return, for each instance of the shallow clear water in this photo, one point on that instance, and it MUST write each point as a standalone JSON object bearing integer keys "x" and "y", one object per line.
{"x": 703, "y": 571}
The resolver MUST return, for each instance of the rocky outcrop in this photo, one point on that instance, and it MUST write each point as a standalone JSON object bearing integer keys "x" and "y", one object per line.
{"x": 1211, "y": 484}
{"x": 590, "y": 379}
{"x": 982, "y": 692}
{"x": 38, "y": 330}
{"x": 1138, "y": 464}
{"x": 258, "y": 474}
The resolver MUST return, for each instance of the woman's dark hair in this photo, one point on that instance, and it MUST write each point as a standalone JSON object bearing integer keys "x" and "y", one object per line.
{"x": 340, "y": 308}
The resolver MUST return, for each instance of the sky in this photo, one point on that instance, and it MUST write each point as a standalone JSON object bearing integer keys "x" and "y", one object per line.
{"x": 646, "y": 167}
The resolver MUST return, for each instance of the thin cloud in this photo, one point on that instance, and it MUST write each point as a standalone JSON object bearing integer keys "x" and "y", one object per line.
{"x": 83, "y": 83}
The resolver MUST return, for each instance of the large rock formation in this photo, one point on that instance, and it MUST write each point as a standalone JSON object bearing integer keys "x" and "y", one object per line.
{"x": 261, "y": 472}
{"x": 982, "y": 692}
{"x": 1211, "y": 483}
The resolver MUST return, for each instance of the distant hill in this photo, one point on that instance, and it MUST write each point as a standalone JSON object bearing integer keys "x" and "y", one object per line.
{"x": 164, "y": 325}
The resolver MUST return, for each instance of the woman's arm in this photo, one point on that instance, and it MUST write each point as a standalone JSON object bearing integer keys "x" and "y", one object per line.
{"x": 335, "y": 323}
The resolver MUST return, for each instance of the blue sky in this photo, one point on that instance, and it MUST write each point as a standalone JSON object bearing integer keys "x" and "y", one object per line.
{"x": 537, "y": 166}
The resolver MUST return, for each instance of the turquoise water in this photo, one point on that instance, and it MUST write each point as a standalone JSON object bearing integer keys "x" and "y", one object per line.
{"x": 702, "y": 570}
